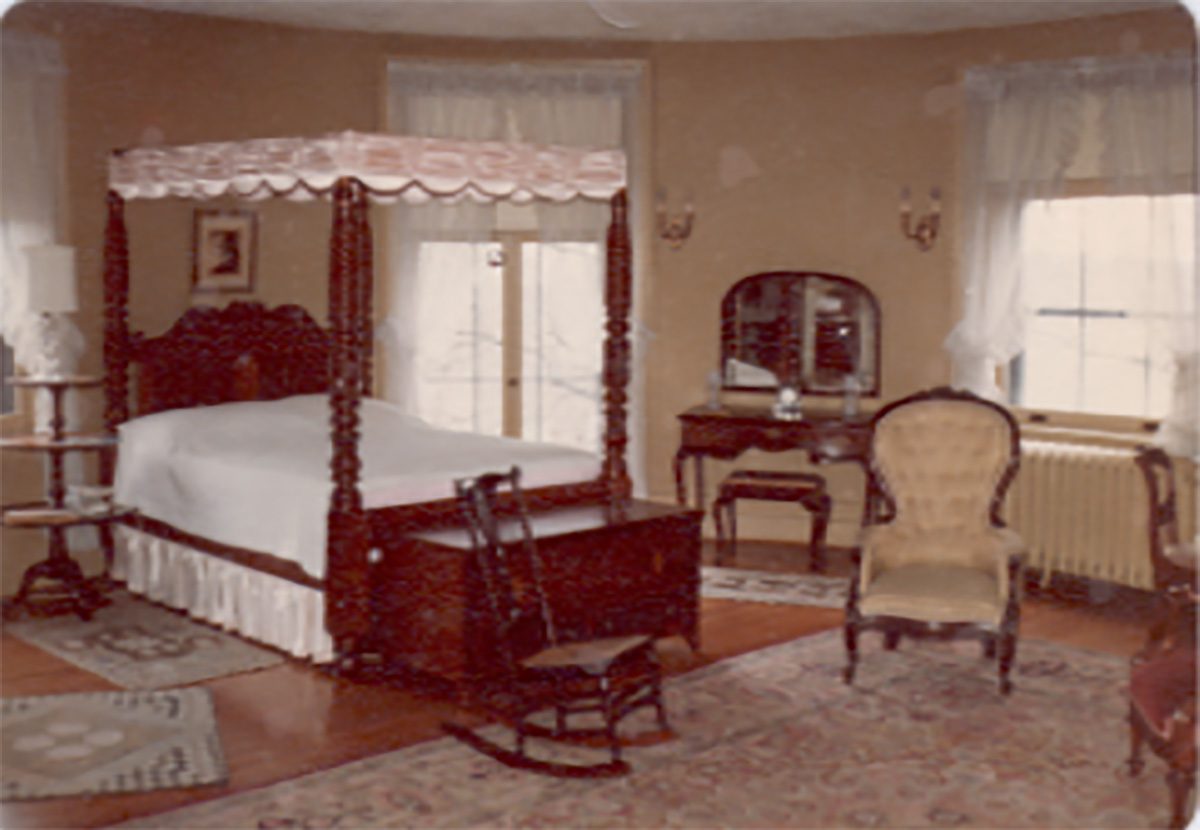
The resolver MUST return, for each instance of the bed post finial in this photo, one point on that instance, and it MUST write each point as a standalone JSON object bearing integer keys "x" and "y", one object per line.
{"x": 116, "y": 315}
{"x": 618, "y": 300}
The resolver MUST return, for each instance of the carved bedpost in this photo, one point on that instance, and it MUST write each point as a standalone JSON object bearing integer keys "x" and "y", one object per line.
{"x": 366, "y": 317}
{"x": 618, "y": 299}
{"x": 347, "y": 611}
{"x": 116, "y": 324}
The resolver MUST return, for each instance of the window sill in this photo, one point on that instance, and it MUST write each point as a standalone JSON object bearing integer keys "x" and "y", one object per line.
{"x": 1090, "y": 437}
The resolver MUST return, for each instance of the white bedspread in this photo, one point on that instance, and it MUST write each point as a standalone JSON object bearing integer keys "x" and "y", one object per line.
{"x": 256, "y": 474}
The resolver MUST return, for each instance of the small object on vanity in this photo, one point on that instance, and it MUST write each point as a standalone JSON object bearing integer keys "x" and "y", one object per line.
{"x": 714, "y": 390}
{"x": 925, "y": 231}
{"x": 852, "y": 388}
{"x": 787, "y": 405}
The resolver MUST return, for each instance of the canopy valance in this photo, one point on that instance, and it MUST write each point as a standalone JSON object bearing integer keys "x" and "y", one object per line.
{"x": 391, "y": 167}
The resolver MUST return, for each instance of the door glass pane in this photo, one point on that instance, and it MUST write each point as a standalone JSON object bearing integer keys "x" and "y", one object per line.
{"x": 458, "y": 384}
{"x": 563, "y": 321}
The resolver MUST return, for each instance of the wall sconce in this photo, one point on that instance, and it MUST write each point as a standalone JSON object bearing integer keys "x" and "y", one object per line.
{"x": 926, "y": 229}
{"x": 673, "y": 229}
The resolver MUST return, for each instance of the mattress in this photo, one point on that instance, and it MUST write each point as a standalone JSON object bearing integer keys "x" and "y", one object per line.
{"x": 256, "y": 474}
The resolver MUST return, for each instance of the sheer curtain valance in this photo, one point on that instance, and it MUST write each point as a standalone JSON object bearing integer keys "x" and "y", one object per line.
{"x": 477, "y": 292}
{"x": 1047, "y": 130}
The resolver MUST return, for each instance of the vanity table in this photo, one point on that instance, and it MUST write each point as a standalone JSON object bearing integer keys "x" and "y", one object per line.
{"x": 729, "y": 431}
{"x": 786, "y": 334}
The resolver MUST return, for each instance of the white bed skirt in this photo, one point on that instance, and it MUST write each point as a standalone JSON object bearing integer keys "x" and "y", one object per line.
{"x": 255, "y": 605}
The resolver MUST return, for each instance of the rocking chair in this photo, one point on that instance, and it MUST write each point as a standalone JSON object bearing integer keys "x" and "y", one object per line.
{"x": 539, "y": 670}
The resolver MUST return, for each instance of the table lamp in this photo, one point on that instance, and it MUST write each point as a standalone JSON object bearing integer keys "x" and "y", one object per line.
{"x": 55, "y": 342}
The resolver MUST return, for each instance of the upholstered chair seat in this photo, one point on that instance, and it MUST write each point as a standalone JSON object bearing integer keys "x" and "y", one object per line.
{"x": 935, "y": 552}
{"x": 929, "y": 583}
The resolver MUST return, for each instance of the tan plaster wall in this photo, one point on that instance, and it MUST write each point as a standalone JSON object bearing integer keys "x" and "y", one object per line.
{"x": 793, "y": 152}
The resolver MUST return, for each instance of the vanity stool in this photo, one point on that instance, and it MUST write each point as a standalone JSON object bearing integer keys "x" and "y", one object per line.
{"x": 807, "y": 489}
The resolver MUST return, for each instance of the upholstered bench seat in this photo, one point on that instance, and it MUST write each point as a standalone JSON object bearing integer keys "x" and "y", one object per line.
{"x": 806, "y": 489}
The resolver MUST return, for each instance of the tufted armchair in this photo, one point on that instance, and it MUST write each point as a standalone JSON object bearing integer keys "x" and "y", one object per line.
{"x": 934, "y": 555}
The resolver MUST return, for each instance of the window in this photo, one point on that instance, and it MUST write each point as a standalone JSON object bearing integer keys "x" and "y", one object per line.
{"x": 512, "y": 345}
{"x": 495, "y": 312}
{"x": 1099, "y": 281}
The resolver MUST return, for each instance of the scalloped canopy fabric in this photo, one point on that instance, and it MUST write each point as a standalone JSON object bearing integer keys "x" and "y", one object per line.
{"x": 392, "y": 167}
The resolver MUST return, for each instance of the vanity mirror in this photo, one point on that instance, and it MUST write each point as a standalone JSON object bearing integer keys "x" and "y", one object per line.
{"x": 816, "y": 333}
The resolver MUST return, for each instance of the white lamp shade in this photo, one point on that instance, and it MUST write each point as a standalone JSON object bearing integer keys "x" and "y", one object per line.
{"x": 52, "y": 279}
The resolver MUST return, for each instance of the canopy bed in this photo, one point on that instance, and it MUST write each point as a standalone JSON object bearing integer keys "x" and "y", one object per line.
{"x": 223, "y": 389}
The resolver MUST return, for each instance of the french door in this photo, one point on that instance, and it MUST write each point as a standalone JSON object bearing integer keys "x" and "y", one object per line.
{"x": 511, "y": 332}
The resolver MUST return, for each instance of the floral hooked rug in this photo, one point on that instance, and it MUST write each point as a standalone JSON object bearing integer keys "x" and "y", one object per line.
{"x": 775, "y": 739}
{"x": 108, "y": 742}
{"x": 781, "y": 588}
{"x": 138, "y": 645}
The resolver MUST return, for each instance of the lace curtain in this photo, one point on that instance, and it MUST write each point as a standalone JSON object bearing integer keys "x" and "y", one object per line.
{"x": 1032, "y": 131}
{"x": 443, "y": 262}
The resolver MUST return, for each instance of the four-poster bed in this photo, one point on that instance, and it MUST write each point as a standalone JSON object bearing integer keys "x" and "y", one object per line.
{"x": 218, "y": 361}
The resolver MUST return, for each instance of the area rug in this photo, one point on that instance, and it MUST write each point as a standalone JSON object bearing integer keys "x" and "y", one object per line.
{"x": 775, "y": 739}
{"x": 782, "y": 588}
{"x": 138, "y": 645}
{"x": 108, "y": 742}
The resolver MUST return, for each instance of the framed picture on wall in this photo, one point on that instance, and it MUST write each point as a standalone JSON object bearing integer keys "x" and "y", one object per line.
{"x": 223, "y": 250}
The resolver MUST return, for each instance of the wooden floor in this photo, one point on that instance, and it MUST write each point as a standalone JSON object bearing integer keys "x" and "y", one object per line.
{"x": 285, "y": 721}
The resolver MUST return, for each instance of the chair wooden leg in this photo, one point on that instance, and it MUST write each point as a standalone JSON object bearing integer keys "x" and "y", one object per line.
{"x": 732, "y": 530}
{"x": 610, "y": 720}
{"x": 1180, "y": 782}
{"x": 1008, "y": 652}
{"x": 891, "y": 639}
{"x": 820, "y": 511}
{"x": 989, "y": 647}
{"x": 850, "y": 634}
{"x": 520, "y": 730}
{"x": 1136, "y": 740}
{"x": 660, "y": 708}
{"x": 719, "y": 523}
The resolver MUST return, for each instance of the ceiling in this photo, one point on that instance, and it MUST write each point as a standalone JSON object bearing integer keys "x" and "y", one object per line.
{"x": 662, "y": 20}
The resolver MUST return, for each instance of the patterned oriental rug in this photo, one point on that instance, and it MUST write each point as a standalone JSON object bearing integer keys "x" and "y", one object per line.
{"x": 765, "y": 586}
{"x": 108, "y": 742}
{"x": 138, "y": 645}
{"x": 775, "y": 739}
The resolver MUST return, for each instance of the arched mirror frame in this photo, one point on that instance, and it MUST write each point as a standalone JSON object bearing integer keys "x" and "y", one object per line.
{"x": 810, "y": 341}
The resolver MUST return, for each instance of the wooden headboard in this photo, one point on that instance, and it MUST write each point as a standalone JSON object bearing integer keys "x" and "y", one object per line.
{"x": 243, "y": 351}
